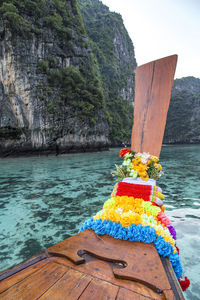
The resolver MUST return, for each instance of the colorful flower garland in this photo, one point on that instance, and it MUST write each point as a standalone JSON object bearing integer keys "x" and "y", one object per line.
{"x": 135, "y": 212}
{"x": 137, "y": 165}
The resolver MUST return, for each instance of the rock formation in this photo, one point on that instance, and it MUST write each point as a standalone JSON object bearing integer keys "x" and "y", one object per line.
{"x": 183, "y": 124}
{"x": 54, "y": 95}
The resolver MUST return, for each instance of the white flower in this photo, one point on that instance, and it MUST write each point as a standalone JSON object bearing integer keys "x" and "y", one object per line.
{"x": 133, "y": 173}
{"x": 160, "y": 174}
{"x": 119, "y": 211}
{"x": 126, "y": 162}
{"x": 167, "y": 231}
{"x": 128, "y": 155}
{"x": 143, "y": 156}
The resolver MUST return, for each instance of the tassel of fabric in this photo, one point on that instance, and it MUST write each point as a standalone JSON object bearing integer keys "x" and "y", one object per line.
{"x": 184, "y": 283}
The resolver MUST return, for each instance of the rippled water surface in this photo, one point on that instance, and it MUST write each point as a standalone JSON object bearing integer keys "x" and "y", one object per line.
{"x": 44, "y": 200}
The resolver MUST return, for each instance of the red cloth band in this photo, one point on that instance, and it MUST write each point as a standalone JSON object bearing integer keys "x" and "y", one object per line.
{"x": 134, "y": 190}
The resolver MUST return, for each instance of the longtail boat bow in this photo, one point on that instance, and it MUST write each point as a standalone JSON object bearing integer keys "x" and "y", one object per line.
{"x": 93, "y": 264}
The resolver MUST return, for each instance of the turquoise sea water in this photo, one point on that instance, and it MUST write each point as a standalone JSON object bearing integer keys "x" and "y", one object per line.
{"x": 44, "y": 200}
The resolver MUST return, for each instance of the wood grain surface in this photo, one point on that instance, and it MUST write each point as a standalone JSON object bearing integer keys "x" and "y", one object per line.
{"x": 104, "y": 271}
{"x": 35, "y": 285}
{"x": 125, "y": 294}
{"x": 149, "y": 271}
{"x": 19, "y": 276}
{"x": 69, "y": 287}
{"x": 109, "y": 269}
{"x": 153, "y": 84}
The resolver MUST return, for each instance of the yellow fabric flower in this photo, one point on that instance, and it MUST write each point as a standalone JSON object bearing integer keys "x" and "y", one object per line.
{"x": 154, "y": 158}
{"x": 129, "y": 210}
{"x": 139, "y": 210}
{"x": 136, "y": 161}
{"x": 126, "y": 219}
{"x": 126, "y": 207}
{"x": 163, "y": 208}
{"x": 158, "y": 166}
{"x": 137, "y": 219}
{"x": 160, "y": 195}
{"x": 154, "y": 210}
{"x": 144, "y": 166}
{"x": 169, "y": 239}
{"x": 99, "y": 215}
{"x": 114, "y": 190}
{"x": 159, "y": 231}
{"x": 112, "y": 215}
{"x": 109, "y": 203}
{"x": 142, "y": 173}
{"x": 145, "y": 177}
{"x": 139, "y": 201}
{"x": 136, "y": 168}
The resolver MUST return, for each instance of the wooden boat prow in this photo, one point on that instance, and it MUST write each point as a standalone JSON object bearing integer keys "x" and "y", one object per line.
{"x": 88, "y": 266}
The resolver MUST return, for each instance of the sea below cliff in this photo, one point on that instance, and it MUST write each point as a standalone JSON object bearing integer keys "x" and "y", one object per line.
{"x": 44, "y": 200}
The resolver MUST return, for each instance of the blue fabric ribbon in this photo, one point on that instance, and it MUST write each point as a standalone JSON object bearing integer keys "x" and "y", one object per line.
{"x": 134, "y": 232}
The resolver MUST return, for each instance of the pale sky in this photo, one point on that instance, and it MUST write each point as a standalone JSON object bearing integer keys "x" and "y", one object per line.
{"x": 160, "y": 28}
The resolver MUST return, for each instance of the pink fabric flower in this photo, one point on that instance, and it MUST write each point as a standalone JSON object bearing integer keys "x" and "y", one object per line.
{"x": 163, "y": 219}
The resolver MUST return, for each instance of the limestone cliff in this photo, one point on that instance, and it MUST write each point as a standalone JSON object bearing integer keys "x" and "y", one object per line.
{"x": 115, "y": 55}
{"x": 183, "y": 124}
{"x": 50, "y": 95}
{"x": 60, "y": 90}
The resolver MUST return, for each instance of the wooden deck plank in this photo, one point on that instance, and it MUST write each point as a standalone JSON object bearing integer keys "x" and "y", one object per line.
{"x": 101, "y": 290}
{"x": 33, "y": 286}
{"x": 178, "y": 294}
{"x": 69, "y": 287}
{"x": 169, "y": 295}
{"x": 125, "y": 294}
{"x": 102, "y": 259}
{"x": 103, "y": 271}
{"x": 12, "y": 280}
{"x": 126, "y": 252}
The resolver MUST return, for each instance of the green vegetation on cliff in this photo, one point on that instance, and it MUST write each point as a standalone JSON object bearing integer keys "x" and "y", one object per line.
{"x": 31, "y": 16}
{"x": 114, "y": 52}
{"x": 68, "y": 69}
{"x": 183, "y": 124}
{"x": 77, "y": 85}
{"x": 73, "y": 82}
{"x": 105, "y": 73}
{"x": 81, "y": 93}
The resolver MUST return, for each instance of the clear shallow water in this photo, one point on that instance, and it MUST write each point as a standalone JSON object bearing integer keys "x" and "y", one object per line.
{"x": 44, "y": 200}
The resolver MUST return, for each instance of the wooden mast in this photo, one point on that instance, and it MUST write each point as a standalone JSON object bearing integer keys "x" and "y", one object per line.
{"x": 153, "y": 85}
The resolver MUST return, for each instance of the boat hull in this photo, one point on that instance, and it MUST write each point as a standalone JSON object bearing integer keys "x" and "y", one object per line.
{"x": 89, "y": 266}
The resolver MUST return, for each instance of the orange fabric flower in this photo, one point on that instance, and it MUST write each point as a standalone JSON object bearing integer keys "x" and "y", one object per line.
{"x": 136, "y": 161}
{"x": 126, "y": 219}
{"x": 137, "y": 219}
{"x": 145, "y": 177}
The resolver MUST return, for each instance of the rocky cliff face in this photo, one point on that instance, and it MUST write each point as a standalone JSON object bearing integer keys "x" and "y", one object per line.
{"x": 67, "y": 80}
{"x": 50, "y": 95}
{"x": 183, "y": 124}
{"x": 63, "y": 88}
{"x": 115, "y": 56}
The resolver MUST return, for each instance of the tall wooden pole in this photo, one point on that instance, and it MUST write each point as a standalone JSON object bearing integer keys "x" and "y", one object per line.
{"x": 153, "y": 85}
